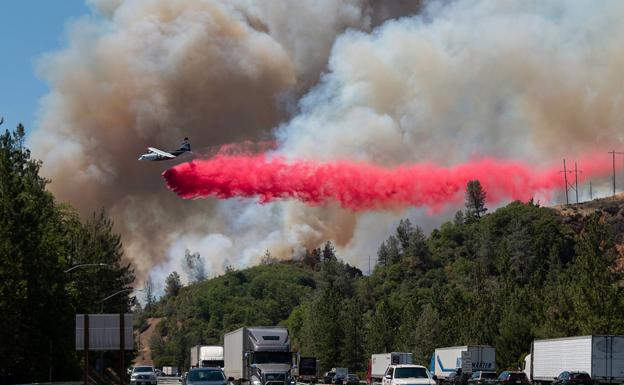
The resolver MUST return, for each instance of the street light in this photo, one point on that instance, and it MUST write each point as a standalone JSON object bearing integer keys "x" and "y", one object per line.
{"x": 86, "y": 265}
{"x": 114, "y": 294}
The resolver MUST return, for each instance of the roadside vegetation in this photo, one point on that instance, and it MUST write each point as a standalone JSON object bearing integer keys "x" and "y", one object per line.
{"x": 40, "y": 239}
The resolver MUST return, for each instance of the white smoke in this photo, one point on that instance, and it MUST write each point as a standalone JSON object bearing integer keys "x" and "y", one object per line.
{"x": 532, "y": 81}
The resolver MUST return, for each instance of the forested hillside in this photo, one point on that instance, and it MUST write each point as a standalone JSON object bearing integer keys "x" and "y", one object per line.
{"x": 505, "y": 278}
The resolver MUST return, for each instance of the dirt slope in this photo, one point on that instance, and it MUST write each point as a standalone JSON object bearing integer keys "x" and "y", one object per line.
{"x": 144, "y": 352}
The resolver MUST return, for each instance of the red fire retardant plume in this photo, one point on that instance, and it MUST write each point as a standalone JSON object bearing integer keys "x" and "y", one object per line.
{"x": 363, "y": 186}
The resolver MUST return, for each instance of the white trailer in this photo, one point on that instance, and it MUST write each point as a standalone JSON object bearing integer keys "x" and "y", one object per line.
{"x": 469, "y": 358}
{"x": 206, "y": 356}
{"x": 170, "y": 370}
{"x": 602, "y": 357}
{"x": 380, "y": 362}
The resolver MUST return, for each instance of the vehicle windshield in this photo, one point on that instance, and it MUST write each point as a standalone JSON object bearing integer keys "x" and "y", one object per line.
{"x": 488, "y": 375}
{"x": 206, "y": 375}
{"x": 410, "y": 373}
{"x": 143, "y": 369}
{"x": 580, "y": 376}
{"x": 272, "y": 358}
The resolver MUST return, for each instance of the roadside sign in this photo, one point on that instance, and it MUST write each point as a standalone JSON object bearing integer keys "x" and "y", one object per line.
{"x": 103, "y": 332}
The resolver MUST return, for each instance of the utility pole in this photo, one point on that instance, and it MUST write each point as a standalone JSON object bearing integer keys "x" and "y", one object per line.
{"x": 576, "y": 171}
{"x": 614, "y": 153}
{"x": 591, "y": 196}
{"x": 565, "y": 180}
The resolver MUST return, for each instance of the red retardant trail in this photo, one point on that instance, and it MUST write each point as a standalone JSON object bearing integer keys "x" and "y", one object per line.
{"x": 364, "y": 186}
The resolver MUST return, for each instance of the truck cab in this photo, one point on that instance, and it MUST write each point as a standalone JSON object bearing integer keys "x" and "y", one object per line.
{"x": 259, "y": 356}
{"x": 408, "y": 374}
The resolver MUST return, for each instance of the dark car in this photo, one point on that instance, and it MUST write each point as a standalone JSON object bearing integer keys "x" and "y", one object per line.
{"x": 513, "y": 378}
{"x": 352, "y": 379}
{"x": 205, "y": 376}
{"x": 328, "y": 377}
{"x": 458, "y": 377}
{"x": 482, "y": 378}
{"x": 573, "y": 378}
{"x": 339, "y": 379}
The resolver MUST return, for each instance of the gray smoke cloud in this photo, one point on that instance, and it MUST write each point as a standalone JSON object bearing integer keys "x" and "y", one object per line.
{"x": 361, "y": 80}
{"x": 140, "y": 73}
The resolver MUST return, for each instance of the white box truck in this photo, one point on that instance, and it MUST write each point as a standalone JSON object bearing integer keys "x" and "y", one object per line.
{"x": 259, "y": 356}
{"x": 170, "y": 370}
{"x": 470, "y": 358}
{"x": 379, "y": 363}
{"x": 206, "y": 356}
{"x": 602, "y": 357}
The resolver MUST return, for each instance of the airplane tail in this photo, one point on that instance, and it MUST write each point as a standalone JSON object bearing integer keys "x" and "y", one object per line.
{"x": 186, "y": 145}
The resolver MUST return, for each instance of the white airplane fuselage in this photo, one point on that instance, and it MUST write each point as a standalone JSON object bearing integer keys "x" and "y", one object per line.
{"x": 150, "y": 156}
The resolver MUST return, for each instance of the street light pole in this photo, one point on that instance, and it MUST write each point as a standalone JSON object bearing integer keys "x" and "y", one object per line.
{"x": 86, "y": 265}
{"x": 114, "y": 294}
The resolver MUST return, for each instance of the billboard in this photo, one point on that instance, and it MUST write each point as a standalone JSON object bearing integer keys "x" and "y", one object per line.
{"x": 104, "y": 331}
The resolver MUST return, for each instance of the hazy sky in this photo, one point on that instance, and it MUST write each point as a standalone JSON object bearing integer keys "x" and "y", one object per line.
{"x": 29, "y": 28}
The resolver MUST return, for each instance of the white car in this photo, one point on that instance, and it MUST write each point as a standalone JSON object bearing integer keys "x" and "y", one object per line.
{"x": 143, "y": 375}
{"x": 408, "y": 375}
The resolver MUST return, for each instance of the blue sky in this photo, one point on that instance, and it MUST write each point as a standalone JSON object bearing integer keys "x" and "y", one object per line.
{"x": 29, "y": 28}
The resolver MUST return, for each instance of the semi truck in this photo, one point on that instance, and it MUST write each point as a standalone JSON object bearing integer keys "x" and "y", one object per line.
{"x": 600, "y": 356}
{"x": 203, "y": 356}
{"x": 469, "y": 358}
{"x": 259, "y": 356}
{"x": 378, "y": 364}
{"x": 307, "y": 370}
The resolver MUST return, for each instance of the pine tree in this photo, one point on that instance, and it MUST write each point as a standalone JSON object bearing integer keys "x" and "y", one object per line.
{"x": 329, "y": 253}
{"x": 352, "y": 344}
{"x": 475, "y": 200}
{"x": 173, "y": 284}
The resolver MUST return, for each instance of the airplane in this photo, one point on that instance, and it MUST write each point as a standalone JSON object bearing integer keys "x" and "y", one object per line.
{"x": 156, "y": 154}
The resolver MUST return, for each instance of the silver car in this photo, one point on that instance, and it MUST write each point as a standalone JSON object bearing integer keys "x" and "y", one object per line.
{"x": 143, "y": 375}
{"x": 205, "y": 376}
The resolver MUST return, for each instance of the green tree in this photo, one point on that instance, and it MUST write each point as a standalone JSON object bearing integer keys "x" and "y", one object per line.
{"x": 475, "y": 200}
{"x": 594, "y": 286}
{"x": 382, "y": 328}
{"x": 352, "y": 344}
{"x": 173, "y": 284}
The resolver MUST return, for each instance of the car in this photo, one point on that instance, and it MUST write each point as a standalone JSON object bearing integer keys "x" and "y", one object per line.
{"x": 573, "y": 378}
{"x": 482, "y": 378}
{"x": 205, "y": 376}
{"x": 458, "y": 377}
{"x": 143, "y": 375}
{"x": 352, "y": 379}
{"x": 513, "y": 378}
{"x": 339, "y": 378}
{"x": 408, "y": 374}
{"x": 328, "y": 377}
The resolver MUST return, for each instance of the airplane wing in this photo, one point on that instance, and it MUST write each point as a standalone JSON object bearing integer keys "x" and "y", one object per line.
{"x": 161, "y": 152}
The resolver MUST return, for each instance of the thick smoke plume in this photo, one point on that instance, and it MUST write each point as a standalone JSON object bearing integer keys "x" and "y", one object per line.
{"x": 364, "y": 81}
{"x": 362, "y": 186}
{"x": 140, "y": 73}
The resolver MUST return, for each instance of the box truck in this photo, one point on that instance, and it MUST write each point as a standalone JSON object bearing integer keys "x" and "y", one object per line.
{"x": 602, "y": 357}
{"x": 469, "y": 358}
{"x": 170, "y": 370}
{"x": 258, "y": 356}
{"x": 206, "y": 356}
{"x": 378, "y": 364}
